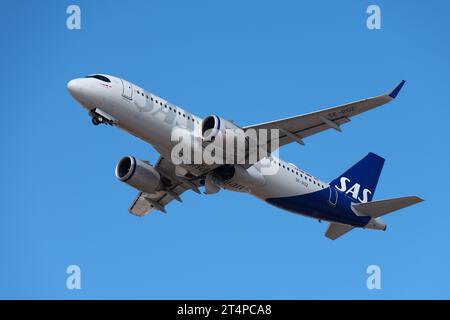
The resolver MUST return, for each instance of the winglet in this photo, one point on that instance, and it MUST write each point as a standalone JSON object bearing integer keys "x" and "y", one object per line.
{"x": 393, "y": 94}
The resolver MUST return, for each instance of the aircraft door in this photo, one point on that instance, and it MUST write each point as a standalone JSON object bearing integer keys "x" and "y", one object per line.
{"x": 127, "y": 89}
{"x": 333, "y": 196}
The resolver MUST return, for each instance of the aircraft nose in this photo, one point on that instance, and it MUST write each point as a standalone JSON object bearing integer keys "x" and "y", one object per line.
{"x": 86, "y": 92}
{"x": 74, "y": 87}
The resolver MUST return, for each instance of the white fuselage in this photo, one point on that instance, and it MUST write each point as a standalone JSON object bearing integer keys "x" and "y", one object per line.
{"x": 152, "y": 119}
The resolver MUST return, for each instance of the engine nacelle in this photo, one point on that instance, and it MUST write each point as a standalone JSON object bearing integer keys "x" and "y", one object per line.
{"x": 229, "y": 141}
{"x": 237, "y": 178}
{"x": 138, "y": 174}
{"x": 213, "y": 125}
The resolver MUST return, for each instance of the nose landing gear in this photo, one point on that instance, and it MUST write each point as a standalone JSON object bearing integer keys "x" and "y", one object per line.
{"x": 96, "y": 120}
{"x": 101, "y": 117}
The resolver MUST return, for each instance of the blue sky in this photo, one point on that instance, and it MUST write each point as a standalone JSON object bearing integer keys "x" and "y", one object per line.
{"x": 250, "y": 62}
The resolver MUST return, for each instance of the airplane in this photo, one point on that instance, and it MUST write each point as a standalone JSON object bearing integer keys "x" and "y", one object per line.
{"x": 345, "y": 202}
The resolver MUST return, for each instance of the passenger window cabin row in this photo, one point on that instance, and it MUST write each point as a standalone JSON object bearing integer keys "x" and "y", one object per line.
{"x": 300, "y": 174}
{"x": 166, "y": 106}
{"x": 140, "y": 92}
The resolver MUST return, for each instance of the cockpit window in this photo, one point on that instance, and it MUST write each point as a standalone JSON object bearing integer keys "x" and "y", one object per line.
{"x": 99, "y": 77}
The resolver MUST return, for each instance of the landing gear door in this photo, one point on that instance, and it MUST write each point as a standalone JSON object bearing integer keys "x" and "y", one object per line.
{"x": 127, "y": 90}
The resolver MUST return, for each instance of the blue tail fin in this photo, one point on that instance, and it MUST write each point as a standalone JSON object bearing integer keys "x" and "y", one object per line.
{"x": 361, "y": 180}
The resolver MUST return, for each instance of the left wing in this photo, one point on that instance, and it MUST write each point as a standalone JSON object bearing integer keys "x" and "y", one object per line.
{"x": 145, "y": 203}
{"x": 302, "y": 126}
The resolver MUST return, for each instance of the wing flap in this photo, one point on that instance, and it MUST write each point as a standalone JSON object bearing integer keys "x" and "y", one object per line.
{"x": 146, "y": 203}
{"x": 140, "y": 206}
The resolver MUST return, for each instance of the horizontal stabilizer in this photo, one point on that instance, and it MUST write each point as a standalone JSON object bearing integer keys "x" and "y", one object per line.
{"x": 379, "y": 208}
{"x": 336, "y": 230}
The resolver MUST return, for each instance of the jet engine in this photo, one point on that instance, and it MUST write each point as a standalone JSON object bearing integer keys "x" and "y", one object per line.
{"x": 213, "y": 125}
{"x": 235, "y": 178}
{"x": 138, "y": 174}
{"x": 229, "y": 141}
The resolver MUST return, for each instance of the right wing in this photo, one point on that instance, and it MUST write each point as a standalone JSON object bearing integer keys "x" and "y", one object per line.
{"x": 145, "y": 203}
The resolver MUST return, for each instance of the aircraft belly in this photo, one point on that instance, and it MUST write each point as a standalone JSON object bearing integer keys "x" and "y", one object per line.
{"x": 282, "y": 184}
